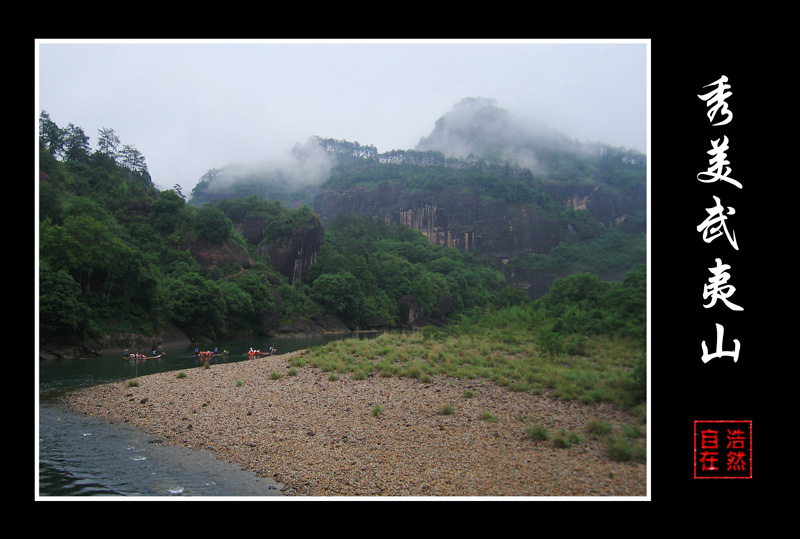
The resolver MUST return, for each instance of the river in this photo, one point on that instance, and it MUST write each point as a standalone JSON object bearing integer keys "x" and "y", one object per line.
{"x": 81, "y": 457}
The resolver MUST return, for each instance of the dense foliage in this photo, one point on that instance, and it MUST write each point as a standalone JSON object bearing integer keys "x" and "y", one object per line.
{"x": 584, "y": 341}
{"x": 577, "y": 313}
{"x": 579, "y": 304}
{"x": 508, "y": 183}
{"x": 610, "y": 252}
{"x": 113, "y": 251}
{"x": 114, "y": 256}
{"x": 366, "y": 267}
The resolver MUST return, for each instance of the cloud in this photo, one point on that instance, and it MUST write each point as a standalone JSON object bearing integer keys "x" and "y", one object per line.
{"x": 190, "y": 107}
{"x": 303, "y": 165}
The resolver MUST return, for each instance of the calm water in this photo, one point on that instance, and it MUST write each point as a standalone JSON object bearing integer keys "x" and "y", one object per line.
{"x": 81, "y": 456}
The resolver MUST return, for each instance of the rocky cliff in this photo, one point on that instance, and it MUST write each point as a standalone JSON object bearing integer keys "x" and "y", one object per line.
{"x": 483, "y": 181}
{"x": 291, "y": 250}
{"x": 293, "y": 254}
{"x": 215, "y": 256}
{"x": 452, "y": 217}
{"x": 466, "y": 219}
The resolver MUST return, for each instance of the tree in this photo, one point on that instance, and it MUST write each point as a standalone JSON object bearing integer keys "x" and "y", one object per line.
{"x": 258, "y": 288}
{"x": 76, "y": 144}
{"x": 212, "y": 224}
{"x": 60, "y": 308}
{"x": 238, "y": 306}
{"x": 509, "y": 296}
{"x": 194, "y": 303}
{"x": 51, "y": 135}
{"x": 132, "y": 159}
{"x": 107, "y": 142}
{"x": 580, "y": 289}
{"x": 166, "y": 210}
{"x": 97, "y": 251}
{"x": 339, "y": 294}
{"x": 550, "y": 343}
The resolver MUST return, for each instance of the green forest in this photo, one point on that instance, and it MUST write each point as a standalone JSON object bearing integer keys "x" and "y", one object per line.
{"x": 117, "y": 255}
{"x": 113, "y": 256}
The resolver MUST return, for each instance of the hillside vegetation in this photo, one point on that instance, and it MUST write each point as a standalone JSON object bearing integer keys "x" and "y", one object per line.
{"x": 592, "y": 196}
{"x": 118, "y": 256}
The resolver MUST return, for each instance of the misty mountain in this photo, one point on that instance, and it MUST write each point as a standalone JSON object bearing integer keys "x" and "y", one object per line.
{"x": 475, "y": 135}
{"x": 477, "y": 127}
{"x": 293, "y": 179}
{"x": 536, "y": 202}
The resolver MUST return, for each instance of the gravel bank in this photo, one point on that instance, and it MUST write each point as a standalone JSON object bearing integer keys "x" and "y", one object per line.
{"x": 319, "y": 437}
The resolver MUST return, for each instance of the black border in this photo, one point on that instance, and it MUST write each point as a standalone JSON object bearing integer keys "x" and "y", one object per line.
{"x": 684, "y": 388}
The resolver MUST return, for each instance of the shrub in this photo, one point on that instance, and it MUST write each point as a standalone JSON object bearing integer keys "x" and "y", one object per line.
{"x": 550, "y": 343}
{"x": 632, "y": 431}
{"x": 619, "y": 449}
{"x": 636, "y": 382}
{"x": 414, "y": 370}
{"x": 519, "y": 387}
{"x": 575, "y": 438}
{"x": 431, "y": 333}
{"x": 576, "y": 345}
{"x": 599, "y": 427}
{"x": 537, "y": 432}
{"x": 488, "y": 416}
{"x": 447, "y": 409}
{"x": 640, "y": 412}
{"x": 561, "y": 441}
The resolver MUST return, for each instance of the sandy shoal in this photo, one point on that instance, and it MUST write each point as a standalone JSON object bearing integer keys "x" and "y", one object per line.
{"x": 320, "y": 437}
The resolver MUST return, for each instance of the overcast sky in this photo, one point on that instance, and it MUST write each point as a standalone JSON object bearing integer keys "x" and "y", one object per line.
{"x": 192, "y": 106}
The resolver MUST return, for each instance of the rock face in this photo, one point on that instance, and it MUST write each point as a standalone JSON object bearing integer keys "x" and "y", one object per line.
{"x": 211, "y": 256}
{"x": 292, "y": 254}
{"x": 605, "y": 205}
{"x": 452, "y": 218}
{"x": 497, "y": 229}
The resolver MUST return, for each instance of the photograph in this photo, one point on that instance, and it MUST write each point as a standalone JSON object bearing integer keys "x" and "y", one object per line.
{"x": 384, "y": 269}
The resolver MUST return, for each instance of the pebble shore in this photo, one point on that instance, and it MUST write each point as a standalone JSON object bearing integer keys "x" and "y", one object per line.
{"x": 321, "y": 437}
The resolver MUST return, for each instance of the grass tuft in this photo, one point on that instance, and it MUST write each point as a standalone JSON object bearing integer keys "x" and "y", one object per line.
{"x": 488, "y": 416}
{"x": 447, "y": 409}
{"x": 537, "y": 432}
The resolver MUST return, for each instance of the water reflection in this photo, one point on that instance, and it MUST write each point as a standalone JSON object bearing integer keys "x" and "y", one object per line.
{"x": 63, "y": 374}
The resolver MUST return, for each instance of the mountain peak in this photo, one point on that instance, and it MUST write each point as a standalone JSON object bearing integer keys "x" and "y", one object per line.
{"x": 477, "y": 126}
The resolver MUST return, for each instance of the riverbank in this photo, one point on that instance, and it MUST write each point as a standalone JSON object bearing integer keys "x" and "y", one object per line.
{"x": 320, "y": 436}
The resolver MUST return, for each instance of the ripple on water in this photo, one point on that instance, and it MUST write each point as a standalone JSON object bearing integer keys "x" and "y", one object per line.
{"x": 85, "y": 456}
